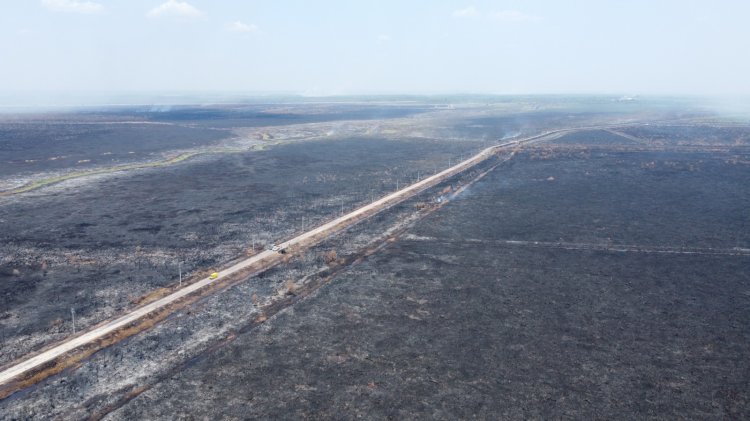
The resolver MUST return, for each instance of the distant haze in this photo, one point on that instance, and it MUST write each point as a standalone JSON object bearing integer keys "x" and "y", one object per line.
{"x": 641, "y": 47}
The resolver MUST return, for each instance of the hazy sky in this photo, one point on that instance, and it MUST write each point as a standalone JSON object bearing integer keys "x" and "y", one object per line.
{"x": 383, "y": 46}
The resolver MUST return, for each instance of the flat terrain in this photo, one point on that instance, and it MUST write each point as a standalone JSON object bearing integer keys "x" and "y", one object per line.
{"x": 101, "y": 248}
{"x": 505, "y": 332}
{"x": 599, "y": 274}
{"x": 439, "y": 325}
{"x": 104, "y": 243}
{"x": 30, "y": 144}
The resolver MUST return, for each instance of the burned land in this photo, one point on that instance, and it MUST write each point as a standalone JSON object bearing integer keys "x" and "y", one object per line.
{"x": 603, "y": 273}
{"x": 451, "y": 321}
{"x": 121, "y": 135}
{"x": 101, "y": 249}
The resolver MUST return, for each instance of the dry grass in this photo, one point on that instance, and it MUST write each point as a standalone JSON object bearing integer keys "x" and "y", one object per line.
{"x": 330, "y": 257}
{"x": 150, "y": 297}
{"x": 291, "y": 287}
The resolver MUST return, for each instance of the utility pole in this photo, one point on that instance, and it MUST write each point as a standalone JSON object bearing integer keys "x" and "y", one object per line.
{"x": 179, "y": 268}
{"x": 342, "y": 207}
{"x": 303, "y": 223}
{"x": 397, "y": 184}
{"x": 417, "y": 175}
{"x": 449, "y": 162}
{"x": 73, "y": 316}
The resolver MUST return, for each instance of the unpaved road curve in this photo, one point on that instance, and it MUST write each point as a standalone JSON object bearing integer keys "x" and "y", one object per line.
{"x": 266, "y": 258}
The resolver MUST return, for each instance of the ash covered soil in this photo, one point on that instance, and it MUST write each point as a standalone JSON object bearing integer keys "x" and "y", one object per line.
{"x": 103, "y": 244}
{"x": 100, "y": 246}
{"x": 84, "y": 140}
{"x": 453, "y": 321}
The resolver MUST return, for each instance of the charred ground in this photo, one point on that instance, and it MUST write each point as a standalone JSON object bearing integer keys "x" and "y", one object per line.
{"x": 119, "y": 135}
{"x": 510, "y": 301}
{"x": 105, "y": 246}
{"x": 449, "y": 322}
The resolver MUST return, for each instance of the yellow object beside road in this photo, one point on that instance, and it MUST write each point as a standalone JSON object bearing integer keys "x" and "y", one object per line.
{"x": 213, "y": 276}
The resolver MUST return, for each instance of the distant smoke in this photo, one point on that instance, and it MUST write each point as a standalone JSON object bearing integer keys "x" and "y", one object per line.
{"x": 511, "y": 135}
{"x": 160, "y": 109}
